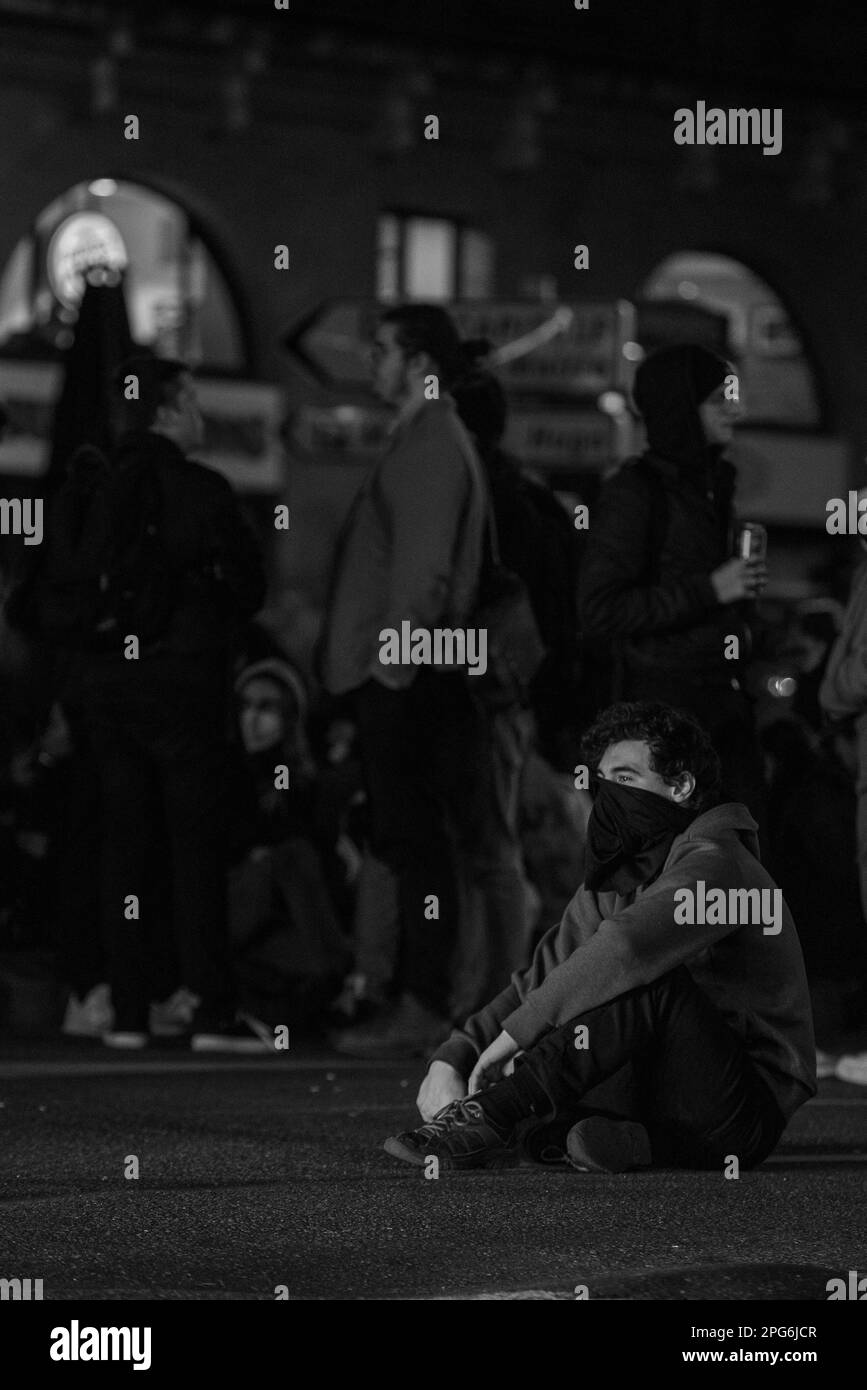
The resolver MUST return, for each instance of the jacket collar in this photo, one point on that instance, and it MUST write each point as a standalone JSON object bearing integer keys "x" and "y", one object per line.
{"x": 412, "y": 410}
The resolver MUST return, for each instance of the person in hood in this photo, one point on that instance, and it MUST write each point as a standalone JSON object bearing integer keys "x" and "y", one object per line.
{"x": 653, "y": 1029}
{"x": 658, "y": 578}
{"x": 283, "y": 927}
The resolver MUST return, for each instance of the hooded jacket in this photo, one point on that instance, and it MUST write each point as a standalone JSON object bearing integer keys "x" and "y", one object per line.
{"x": 660, "y": 527}
{"x": 607, "y": 944}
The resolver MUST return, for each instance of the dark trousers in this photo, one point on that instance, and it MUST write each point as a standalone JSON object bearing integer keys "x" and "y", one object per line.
{"x": 157, "y": 727}
{"x": 688, "y": 1076}
{"x": 422, "y": 749}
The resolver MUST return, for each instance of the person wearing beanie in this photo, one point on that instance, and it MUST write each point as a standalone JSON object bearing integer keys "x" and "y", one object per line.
{"x": 659, "y": 579}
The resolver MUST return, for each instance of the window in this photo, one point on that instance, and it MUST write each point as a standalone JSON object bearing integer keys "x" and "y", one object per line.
{"x": 177, "y": 298}
{"x": 431, "y": 258}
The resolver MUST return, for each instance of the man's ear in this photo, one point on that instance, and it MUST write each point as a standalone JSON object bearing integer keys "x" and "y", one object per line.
{"x": 419, "y": 365}
{"x": 683, "y": 788}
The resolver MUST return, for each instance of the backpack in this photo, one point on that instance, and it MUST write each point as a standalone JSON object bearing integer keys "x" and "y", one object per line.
{"x": 105, "y": 572}
{"x": 504, "y": 610}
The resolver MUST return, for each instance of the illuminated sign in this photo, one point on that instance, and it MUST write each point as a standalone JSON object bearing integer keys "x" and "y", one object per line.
{"x": 85, "y": 240}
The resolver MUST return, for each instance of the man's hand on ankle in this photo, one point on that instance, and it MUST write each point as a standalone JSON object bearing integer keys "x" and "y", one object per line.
{"x": 442, "y": 1084}
{"x": 493, "y": 1062}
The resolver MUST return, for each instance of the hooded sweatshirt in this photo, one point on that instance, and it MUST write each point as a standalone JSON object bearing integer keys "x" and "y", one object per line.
{"x": 607, "y": 944}
{"x": 661, "y": 526}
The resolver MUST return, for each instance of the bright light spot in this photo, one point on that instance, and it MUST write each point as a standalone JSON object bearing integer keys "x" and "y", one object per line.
{"x": 782, "y": 687}
{"x": 688, "y": 289}
{"x": 102, "y": 188}
{"x": 611, "y": 403}
{"x": 633, "y": 352}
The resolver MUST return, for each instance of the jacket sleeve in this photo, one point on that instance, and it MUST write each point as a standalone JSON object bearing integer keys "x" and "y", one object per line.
{"x": 237, "y": 557}
{"x": 463, "y": 1049}
{"x": 632, "y": 948}
{"x": 615, "y": 595}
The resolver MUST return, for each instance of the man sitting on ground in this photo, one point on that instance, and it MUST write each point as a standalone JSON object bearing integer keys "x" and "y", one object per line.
{"x": 690, "y": 1005}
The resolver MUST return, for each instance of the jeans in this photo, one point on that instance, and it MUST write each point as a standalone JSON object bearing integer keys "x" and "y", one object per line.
{"x": 423, "y": 755}
{"x": 496, "y": 930}
{"x": 688, "y": 1077}
{"x": 157, "y": 727}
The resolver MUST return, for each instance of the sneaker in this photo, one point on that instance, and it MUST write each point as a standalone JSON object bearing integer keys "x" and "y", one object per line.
{"x": 546, "y": 1143}
{"x": 406, "y": 1029}
{"x": 853, "y": 1068}
{"x": 174, "y": 1016}
{"x": 129, "y": 1040}
{"x": 90, "y": 1016}
{"x": 244, "y": 1035}
{"x": 460, "y": 1136}
{"x": 826, "y": 1063}
{"x": 600, "y": 1145}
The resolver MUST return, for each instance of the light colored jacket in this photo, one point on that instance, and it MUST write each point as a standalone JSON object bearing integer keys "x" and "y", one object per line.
{"x": 409, "y": 550}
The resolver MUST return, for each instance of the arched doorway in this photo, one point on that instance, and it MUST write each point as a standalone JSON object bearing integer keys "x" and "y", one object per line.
{"x": 778, "y": 383}
{"x": 179, "y": 300}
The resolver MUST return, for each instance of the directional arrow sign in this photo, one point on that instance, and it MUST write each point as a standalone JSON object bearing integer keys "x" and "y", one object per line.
{"x": 562, "y": 350}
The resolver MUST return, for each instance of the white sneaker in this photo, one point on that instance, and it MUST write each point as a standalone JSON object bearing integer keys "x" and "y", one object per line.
{"x": 127, "y": 1041}
{"x": 174, "y": 1016}
{"x": 246, "y": 1035}
{"x": 89, "y": 1017}
{"x": 853, "y": 1068}
{"x": 826, "y": 1063}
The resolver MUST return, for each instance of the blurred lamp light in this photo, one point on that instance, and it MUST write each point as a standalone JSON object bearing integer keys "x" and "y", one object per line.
{"x": 688, "y": 289}
{"x": 102, "y": 188}
{"x": 612, "y": 403}
{"x": 782, "y": 687}
{"x": 633, "y": 352}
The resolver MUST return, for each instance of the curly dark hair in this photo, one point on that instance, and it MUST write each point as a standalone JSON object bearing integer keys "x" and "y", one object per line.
{"x": 676, "y": 740}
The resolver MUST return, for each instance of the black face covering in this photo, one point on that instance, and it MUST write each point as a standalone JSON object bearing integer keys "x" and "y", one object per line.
{"x": 629, "y": 835}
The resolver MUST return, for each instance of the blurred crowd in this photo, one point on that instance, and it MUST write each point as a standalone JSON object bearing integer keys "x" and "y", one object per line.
{"x": 369, "y": 851}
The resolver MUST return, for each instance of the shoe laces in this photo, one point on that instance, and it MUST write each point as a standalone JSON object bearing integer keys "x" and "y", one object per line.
{"x": 457, "y": 1112}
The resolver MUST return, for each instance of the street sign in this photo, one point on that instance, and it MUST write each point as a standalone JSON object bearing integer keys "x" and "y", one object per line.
{"x": 581, "y": 358}
{"x": 570, "y": 350}
{"x": 586, "y": 440}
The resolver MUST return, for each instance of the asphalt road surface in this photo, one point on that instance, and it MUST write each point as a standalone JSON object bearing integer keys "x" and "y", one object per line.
{"x": 255, "y": 1176}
